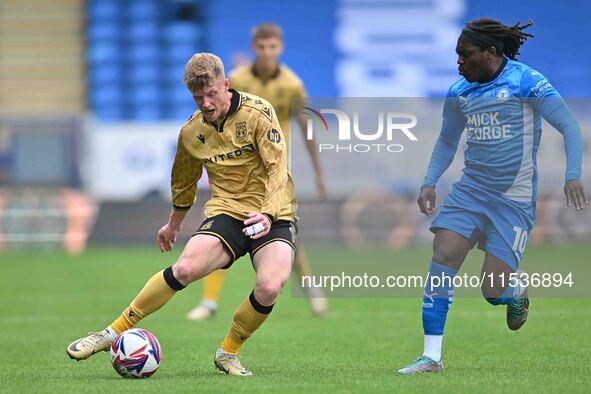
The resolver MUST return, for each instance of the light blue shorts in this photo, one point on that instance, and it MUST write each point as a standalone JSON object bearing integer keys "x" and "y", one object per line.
{"x": 498, "y": 225}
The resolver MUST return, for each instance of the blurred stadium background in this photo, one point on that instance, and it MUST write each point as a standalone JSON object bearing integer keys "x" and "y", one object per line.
{"x": 91, "y": 101}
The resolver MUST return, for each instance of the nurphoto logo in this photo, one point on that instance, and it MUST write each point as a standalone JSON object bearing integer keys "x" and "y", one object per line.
{"x": 351, "y": 137}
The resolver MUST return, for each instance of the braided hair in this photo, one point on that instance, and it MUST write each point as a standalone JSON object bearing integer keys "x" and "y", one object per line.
{"x": 486, "y": 32}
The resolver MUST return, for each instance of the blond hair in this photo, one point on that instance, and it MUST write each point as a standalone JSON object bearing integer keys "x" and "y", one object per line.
{"x": 266, "y": 30}
{"x": 203, "y": 70}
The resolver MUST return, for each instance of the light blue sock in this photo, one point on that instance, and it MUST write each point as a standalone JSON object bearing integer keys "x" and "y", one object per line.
{"x": 439, "y": 293}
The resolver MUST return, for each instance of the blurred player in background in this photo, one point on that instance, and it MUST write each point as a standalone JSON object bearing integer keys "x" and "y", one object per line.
{"x": 237, "y": 138}
{"x": 499, "y": 102}
{"x": 275, "y": 82}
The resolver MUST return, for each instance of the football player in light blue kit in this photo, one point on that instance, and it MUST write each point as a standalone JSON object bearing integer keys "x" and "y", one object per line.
{"x": 499, "y": 103}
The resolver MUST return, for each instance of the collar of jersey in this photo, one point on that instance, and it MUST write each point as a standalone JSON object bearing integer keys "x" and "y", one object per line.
{"x": 275, "y": 74}
{"x": 497, "y": 73}
{"x": 234, "y": 104}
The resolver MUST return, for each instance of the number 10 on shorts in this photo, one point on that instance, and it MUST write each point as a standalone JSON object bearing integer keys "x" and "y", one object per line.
{"x": 520, "y": 239}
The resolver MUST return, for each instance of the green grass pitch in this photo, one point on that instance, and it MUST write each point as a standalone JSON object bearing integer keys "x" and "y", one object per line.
{"x": 49, "y": 299}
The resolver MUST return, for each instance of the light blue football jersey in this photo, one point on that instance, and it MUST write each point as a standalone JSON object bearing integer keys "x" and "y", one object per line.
{"x": 502, "y": 120}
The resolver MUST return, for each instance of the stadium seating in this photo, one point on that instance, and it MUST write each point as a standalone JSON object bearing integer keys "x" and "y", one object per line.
{"x": 136, "y": 54}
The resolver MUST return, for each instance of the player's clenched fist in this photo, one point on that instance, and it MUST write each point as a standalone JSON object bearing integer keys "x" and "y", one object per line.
{"x": 426, "y": 200}
{"x": 166, "y": 237}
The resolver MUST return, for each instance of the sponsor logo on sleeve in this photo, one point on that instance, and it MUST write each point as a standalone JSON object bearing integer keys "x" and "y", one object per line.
{"x": 274, "y": 136}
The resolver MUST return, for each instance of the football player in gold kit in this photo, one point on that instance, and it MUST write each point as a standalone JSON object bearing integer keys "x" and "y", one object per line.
{"x": 237, "y": 138}
{"x": 267, "y": 78}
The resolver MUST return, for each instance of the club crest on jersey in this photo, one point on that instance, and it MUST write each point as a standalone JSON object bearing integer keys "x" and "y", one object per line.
{"x": 503, "y": 94}
{"x": 207, "y": 226}
{"x": 240, "y": 130}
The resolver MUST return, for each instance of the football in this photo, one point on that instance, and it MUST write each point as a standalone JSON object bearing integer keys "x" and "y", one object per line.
{"x": 135, "y": 354}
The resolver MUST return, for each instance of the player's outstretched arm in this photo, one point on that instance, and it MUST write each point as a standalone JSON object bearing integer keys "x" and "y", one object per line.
{"x": 426, "y": 200}
{"x": 575, "y": 194}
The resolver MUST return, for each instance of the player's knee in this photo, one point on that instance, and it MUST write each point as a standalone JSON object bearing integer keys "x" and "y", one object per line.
{"x": 184, "y": 271}
{"x": 445, "y": 255}
{"x": 268, "y": 290}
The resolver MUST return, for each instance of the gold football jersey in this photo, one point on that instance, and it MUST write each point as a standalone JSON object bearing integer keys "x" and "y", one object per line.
{"x": 245, "y": 159}
{"x": 280, "y": 90}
